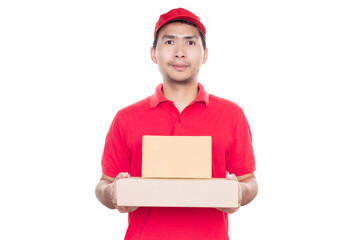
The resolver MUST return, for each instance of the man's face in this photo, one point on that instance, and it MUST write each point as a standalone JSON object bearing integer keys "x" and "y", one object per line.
{"x": 179, "y": 52}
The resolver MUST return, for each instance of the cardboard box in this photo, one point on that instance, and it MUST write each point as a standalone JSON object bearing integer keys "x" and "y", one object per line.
{"x": 216, "y": 192}
{"x": 176, "y": 157}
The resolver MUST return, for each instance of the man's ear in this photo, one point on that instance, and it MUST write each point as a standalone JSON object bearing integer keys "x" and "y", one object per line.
{"x": 153, "y": 55}
{"x": 205, "y": 56}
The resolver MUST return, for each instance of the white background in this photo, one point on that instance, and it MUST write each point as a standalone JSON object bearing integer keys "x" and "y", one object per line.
{"x": 67, "y": 66}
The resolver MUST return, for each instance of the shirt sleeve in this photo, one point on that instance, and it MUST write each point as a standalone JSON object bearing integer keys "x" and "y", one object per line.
{"x": 116, "y": 156}
{"x": 241, "y": 160}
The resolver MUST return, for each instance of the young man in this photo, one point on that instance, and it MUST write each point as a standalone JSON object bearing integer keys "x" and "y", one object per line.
{"x": 179, "y": 106}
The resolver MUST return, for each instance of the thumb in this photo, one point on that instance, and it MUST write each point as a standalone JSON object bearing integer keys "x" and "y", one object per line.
{"x": 231, "y": 176}
{"x": 122, "y": 175}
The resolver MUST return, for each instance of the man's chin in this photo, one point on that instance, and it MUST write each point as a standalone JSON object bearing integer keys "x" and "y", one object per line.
{"x": 180, "y": 81}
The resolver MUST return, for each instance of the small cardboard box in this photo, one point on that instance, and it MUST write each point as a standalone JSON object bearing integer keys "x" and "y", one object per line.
{"x": 176, "y": 157}
{"x": 215, "y": 192}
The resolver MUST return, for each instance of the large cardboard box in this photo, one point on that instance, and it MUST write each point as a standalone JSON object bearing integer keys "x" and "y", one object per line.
{"x": 216, "y": 192}
{"x": 176, "y": 157}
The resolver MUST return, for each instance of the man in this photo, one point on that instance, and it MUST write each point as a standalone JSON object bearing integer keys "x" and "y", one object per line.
{"x": 179, "y": 106}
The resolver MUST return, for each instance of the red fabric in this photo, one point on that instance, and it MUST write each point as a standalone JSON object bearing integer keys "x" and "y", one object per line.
{"x": 179, "y": 14}
{"x": 207, "y": 115}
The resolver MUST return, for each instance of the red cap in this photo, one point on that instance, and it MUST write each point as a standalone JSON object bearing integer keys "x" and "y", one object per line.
{"x": 180, "y": 14}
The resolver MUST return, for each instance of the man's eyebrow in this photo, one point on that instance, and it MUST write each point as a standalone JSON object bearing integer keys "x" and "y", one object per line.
{"x": 191, "y": 37}
{"x": 169, "y": 37}
{"x": 174, "y": 36}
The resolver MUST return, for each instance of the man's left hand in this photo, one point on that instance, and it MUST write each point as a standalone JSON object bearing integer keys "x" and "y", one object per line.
{"x": 240, "y": 192}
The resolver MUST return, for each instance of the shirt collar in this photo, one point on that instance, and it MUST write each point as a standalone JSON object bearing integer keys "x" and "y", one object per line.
{"x": 158, "y": 96}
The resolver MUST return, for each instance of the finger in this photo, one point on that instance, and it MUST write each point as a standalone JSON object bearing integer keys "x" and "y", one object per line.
{"x": 231, "y": 177}
{"x": 124, "y": 209}
{"x": 131, "y": 209}
{"x": 232, "y": 210}
{"x": 122, "y": 175}
{"x": 228, "y": 210}
{"x": 121, "y": 209}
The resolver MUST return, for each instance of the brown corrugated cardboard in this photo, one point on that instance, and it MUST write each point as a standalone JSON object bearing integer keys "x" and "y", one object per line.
{"x": 216, "y": 192}
{"x": 176, "y": 157}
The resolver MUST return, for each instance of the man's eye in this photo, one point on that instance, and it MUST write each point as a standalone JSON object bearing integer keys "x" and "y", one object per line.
{"x": 168, "y": 42}
{"x": 191, "y": 43}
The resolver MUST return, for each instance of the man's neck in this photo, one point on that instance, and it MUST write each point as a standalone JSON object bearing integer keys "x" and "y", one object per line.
{"x": 181, "y": 94}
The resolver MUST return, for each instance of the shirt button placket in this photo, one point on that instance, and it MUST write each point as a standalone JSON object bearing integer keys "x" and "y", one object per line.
{"x": 179, "y": 129}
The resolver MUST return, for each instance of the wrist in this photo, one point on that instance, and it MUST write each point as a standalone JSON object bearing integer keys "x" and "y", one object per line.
{"x": 108, "y": 191}
{"x": 108, "y": 195}
{"x": 243, "y": 191}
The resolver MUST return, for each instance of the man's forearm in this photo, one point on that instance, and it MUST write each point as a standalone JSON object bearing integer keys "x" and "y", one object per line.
{"x": 249, "y": 190}
{"x": 103, "y": 193}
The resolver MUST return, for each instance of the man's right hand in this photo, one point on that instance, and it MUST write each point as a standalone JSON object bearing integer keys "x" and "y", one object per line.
{"x": 122, "y": 209}
{"x": 106, "y": 192}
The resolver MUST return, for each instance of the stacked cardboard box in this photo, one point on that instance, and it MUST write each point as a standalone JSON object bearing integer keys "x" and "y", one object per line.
{"x": 176, "y": 172}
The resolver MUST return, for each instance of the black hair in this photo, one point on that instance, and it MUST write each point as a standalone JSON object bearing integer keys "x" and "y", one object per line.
{"x": 179, "y": 21}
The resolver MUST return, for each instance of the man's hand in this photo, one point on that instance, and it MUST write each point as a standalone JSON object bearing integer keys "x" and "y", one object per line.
{"x": 106, "y": 192}
{"x": 232, "y": 210}
{"x": 122, "y": 209}
{"x": 248, "y": 189}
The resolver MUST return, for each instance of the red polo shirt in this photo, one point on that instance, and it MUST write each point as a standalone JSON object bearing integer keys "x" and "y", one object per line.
{"x": 207, "y": 115}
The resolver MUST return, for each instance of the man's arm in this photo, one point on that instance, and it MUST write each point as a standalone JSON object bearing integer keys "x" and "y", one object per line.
{"x": 106, "y": 192}
{"x": 248, "y": 189}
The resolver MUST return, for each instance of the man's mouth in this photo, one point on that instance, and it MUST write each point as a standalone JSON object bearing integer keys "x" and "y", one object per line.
{"x": 179, "y": 67}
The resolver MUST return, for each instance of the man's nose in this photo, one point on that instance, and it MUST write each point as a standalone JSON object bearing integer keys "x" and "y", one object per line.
{"x": 179, "y": 52}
